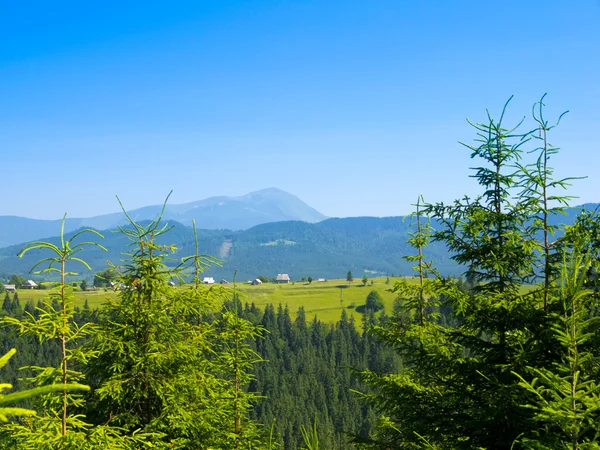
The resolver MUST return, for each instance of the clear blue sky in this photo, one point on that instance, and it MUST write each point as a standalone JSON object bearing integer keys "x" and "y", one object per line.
{"x": 354, "y": 106}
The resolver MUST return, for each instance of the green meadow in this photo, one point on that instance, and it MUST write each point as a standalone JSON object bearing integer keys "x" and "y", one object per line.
{"x": 322, "y": 299}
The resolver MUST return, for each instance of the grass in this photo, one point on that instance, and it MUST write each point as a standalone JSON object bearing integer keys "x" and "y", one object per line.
{"x": 95, "y": 298}
{"x": 326, "y": 300}
{"x": 322, "y": 299}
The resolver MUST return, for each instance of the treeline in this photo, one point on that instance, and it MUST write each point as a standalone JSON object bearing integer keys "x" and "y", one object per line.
{"x": 309, "y": 375}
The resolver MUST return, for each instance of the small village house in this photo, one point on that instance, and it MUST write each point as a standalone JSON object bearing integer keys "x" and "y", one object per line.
{"x": 256, "y": 282}
{"x": 29, "y": 284}
{"x": 10, "y": 288}
{"x": 208, "y": 280}
{"x": 282, "y": 278}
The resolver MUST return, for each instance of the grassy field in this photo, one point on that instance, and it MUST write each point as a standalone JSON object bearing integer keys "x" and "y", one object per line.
{"x": 323, "y": 299}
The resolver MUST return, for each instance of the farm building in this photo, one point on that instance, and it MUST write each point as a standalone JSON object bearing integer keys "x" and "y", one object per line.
{"x": 10, "y": 288}
{"x": 282, "y": 278}
{"x": 256, "y": 281}
{"x": 224, "y": 281}
{"x": 208, "y": 280}
{"x": 321, "y": 280}
{"x": 29, "y": 284}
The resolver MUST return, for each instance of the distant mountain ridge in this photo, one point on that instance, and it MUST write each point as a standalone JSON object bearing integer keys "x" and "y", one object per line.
{"x": 375, "y": 246}
{"x": 326, "y": 249}
{"x": 232, "y": 213}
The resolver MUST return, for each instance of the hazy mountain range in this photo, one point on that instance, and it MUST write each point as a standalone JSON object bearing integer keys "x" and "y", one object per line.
{"x": 232, "y": 213}
{"x": 325, "y": 248}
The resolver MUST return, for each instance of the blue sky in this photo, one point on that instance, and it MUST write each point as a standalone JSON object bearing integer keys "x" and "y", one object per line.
{"x": 354, "y": 106}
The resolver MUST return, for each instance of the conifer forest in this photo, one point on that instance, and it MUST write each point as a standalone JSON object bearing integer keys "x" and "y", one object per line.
{"x": 506, "y": 356}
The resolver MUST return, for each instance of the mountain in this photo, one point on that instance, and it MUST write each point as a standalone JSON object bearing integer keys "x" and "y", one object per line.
{"x": 327, "y": 249}
{"x": 233, "y": 213}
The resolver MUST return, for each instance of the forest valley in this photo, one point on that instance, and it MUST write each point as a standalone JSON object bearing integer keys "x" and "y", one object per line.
{"x": 507, "y": 357}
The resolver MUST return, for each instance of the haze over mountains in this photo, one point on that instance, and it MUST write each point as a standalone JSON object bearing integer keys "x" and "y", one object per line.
{"x": 231, "y": 213}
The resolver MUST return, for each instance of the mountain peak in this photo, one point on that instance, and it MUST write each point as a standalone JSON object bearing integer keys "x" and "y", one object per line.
{"x": 235, "y": 213}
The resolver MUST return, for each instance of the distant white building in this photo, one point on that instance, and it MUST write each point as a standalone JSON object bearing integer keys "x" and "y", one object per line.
{"x": 321, "y": 280}
{"x": 256, "y": 282}
{"x": 29, "y": 284}
{"x": 10, "y": 288}
{"x": 208, "y": 280}
{"x": 282, "y": 278}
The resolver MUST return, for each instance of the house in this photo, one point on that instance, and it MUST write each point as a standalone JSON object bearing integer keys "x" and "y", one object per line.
{"x": 208, "y": 280}
{"x": 10, "y": 288}
{"x": 172, "y": 283}
{"x": 256, "y": 282}
{"x": 29, "y": 284}
{"x": 224, "y": 281}
{"x": 321, "y": 280}
{"x": 282, "y": 278}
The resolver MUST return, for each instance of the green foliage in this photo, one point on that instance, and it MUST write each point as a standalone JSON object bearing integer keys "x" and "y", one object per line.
{"x": 58, "y": 425}
{"x": 365, "y": 280}
{"x": 306, "y": 376}
{"x": 374, "y": 301}
{"x": 17, "y": 397}
{"x": 538, "y": 186}
{"x": 349, "y": 277}
{"x": 104, "y": 277}
{"x": 263, "y": 278}
{"x": 463, "y": 342}
{"x": 566, "y": 395}
{"x": 17, "y": 280}
{"x": 310, "y": 436}
{"x": 160, "y": 367}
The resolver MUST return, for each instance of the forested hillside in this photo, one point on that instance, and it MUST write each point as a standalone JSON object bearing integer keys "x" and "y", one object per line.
{"x": 326, "y": 249}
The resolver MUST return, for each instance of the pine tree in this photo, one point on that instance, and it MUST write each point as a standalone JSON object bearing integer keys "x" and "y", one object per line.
{"x": 458, "y": 388}
{"x": 58, "y": 425}
{"x": 7, "y": 305}
{"x": 162, "y": 369}
{"x": 538, "y": 186}
{"x": 566, "y": 395}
